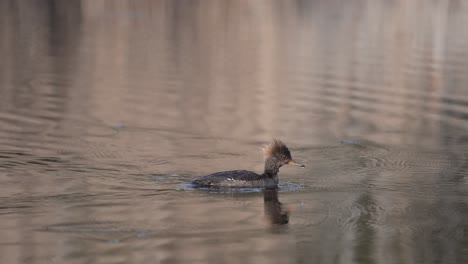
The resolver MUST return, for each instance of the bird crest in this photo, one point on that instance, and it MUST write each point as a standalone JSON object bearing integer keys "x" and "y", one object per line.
{"x": 276, "y": 148}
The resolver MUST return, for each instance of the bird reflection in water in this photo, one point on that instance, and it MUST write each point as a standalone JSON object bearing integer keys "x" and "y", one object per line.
{"x": 273, "y": 208}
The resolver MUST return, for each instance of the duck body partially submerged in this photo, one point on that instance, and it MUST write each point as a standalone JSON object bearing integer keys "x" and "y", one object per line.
{"x": 236, "y": 178}
{"x": 276, "y": 155}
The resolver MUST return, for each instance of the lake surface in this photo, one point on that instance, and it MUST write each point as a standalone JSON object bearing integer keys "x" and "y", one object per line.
{"x": 108, "y": 109}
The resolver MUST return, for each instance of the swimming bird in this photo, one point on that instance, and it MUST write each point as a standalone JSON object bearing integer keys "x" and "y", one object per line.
{"x": 276, "y": 155}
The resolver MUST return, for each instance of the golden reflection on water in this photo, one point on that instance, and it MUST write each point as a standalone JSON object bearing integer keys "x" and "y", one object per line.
{"x": 106, "y": 107}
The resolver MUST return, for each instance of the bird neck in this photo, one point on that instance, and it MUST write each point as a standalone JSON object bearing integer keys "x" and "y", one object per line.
{"x": 271, "y": 168}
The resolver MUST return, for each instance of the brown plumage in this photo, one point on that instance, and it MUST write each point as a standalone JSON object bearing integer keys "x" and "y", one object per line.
{"x": 276, "y": 155}
{"x": 276, "y": 147}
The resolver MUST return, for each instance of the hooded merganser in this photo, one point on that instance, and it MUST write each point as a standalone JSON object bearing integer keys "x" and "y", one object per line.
{"x": 276, "y": 155}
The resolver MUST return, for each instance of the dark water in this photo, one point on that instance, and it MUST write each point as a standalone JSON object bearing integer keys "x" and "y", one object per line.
{"x": 108, "y": 109}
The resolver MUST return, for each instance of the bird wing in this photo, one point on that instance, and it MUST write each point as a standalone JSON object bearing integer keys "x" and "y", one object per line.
{"x": 227, "y": 176}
